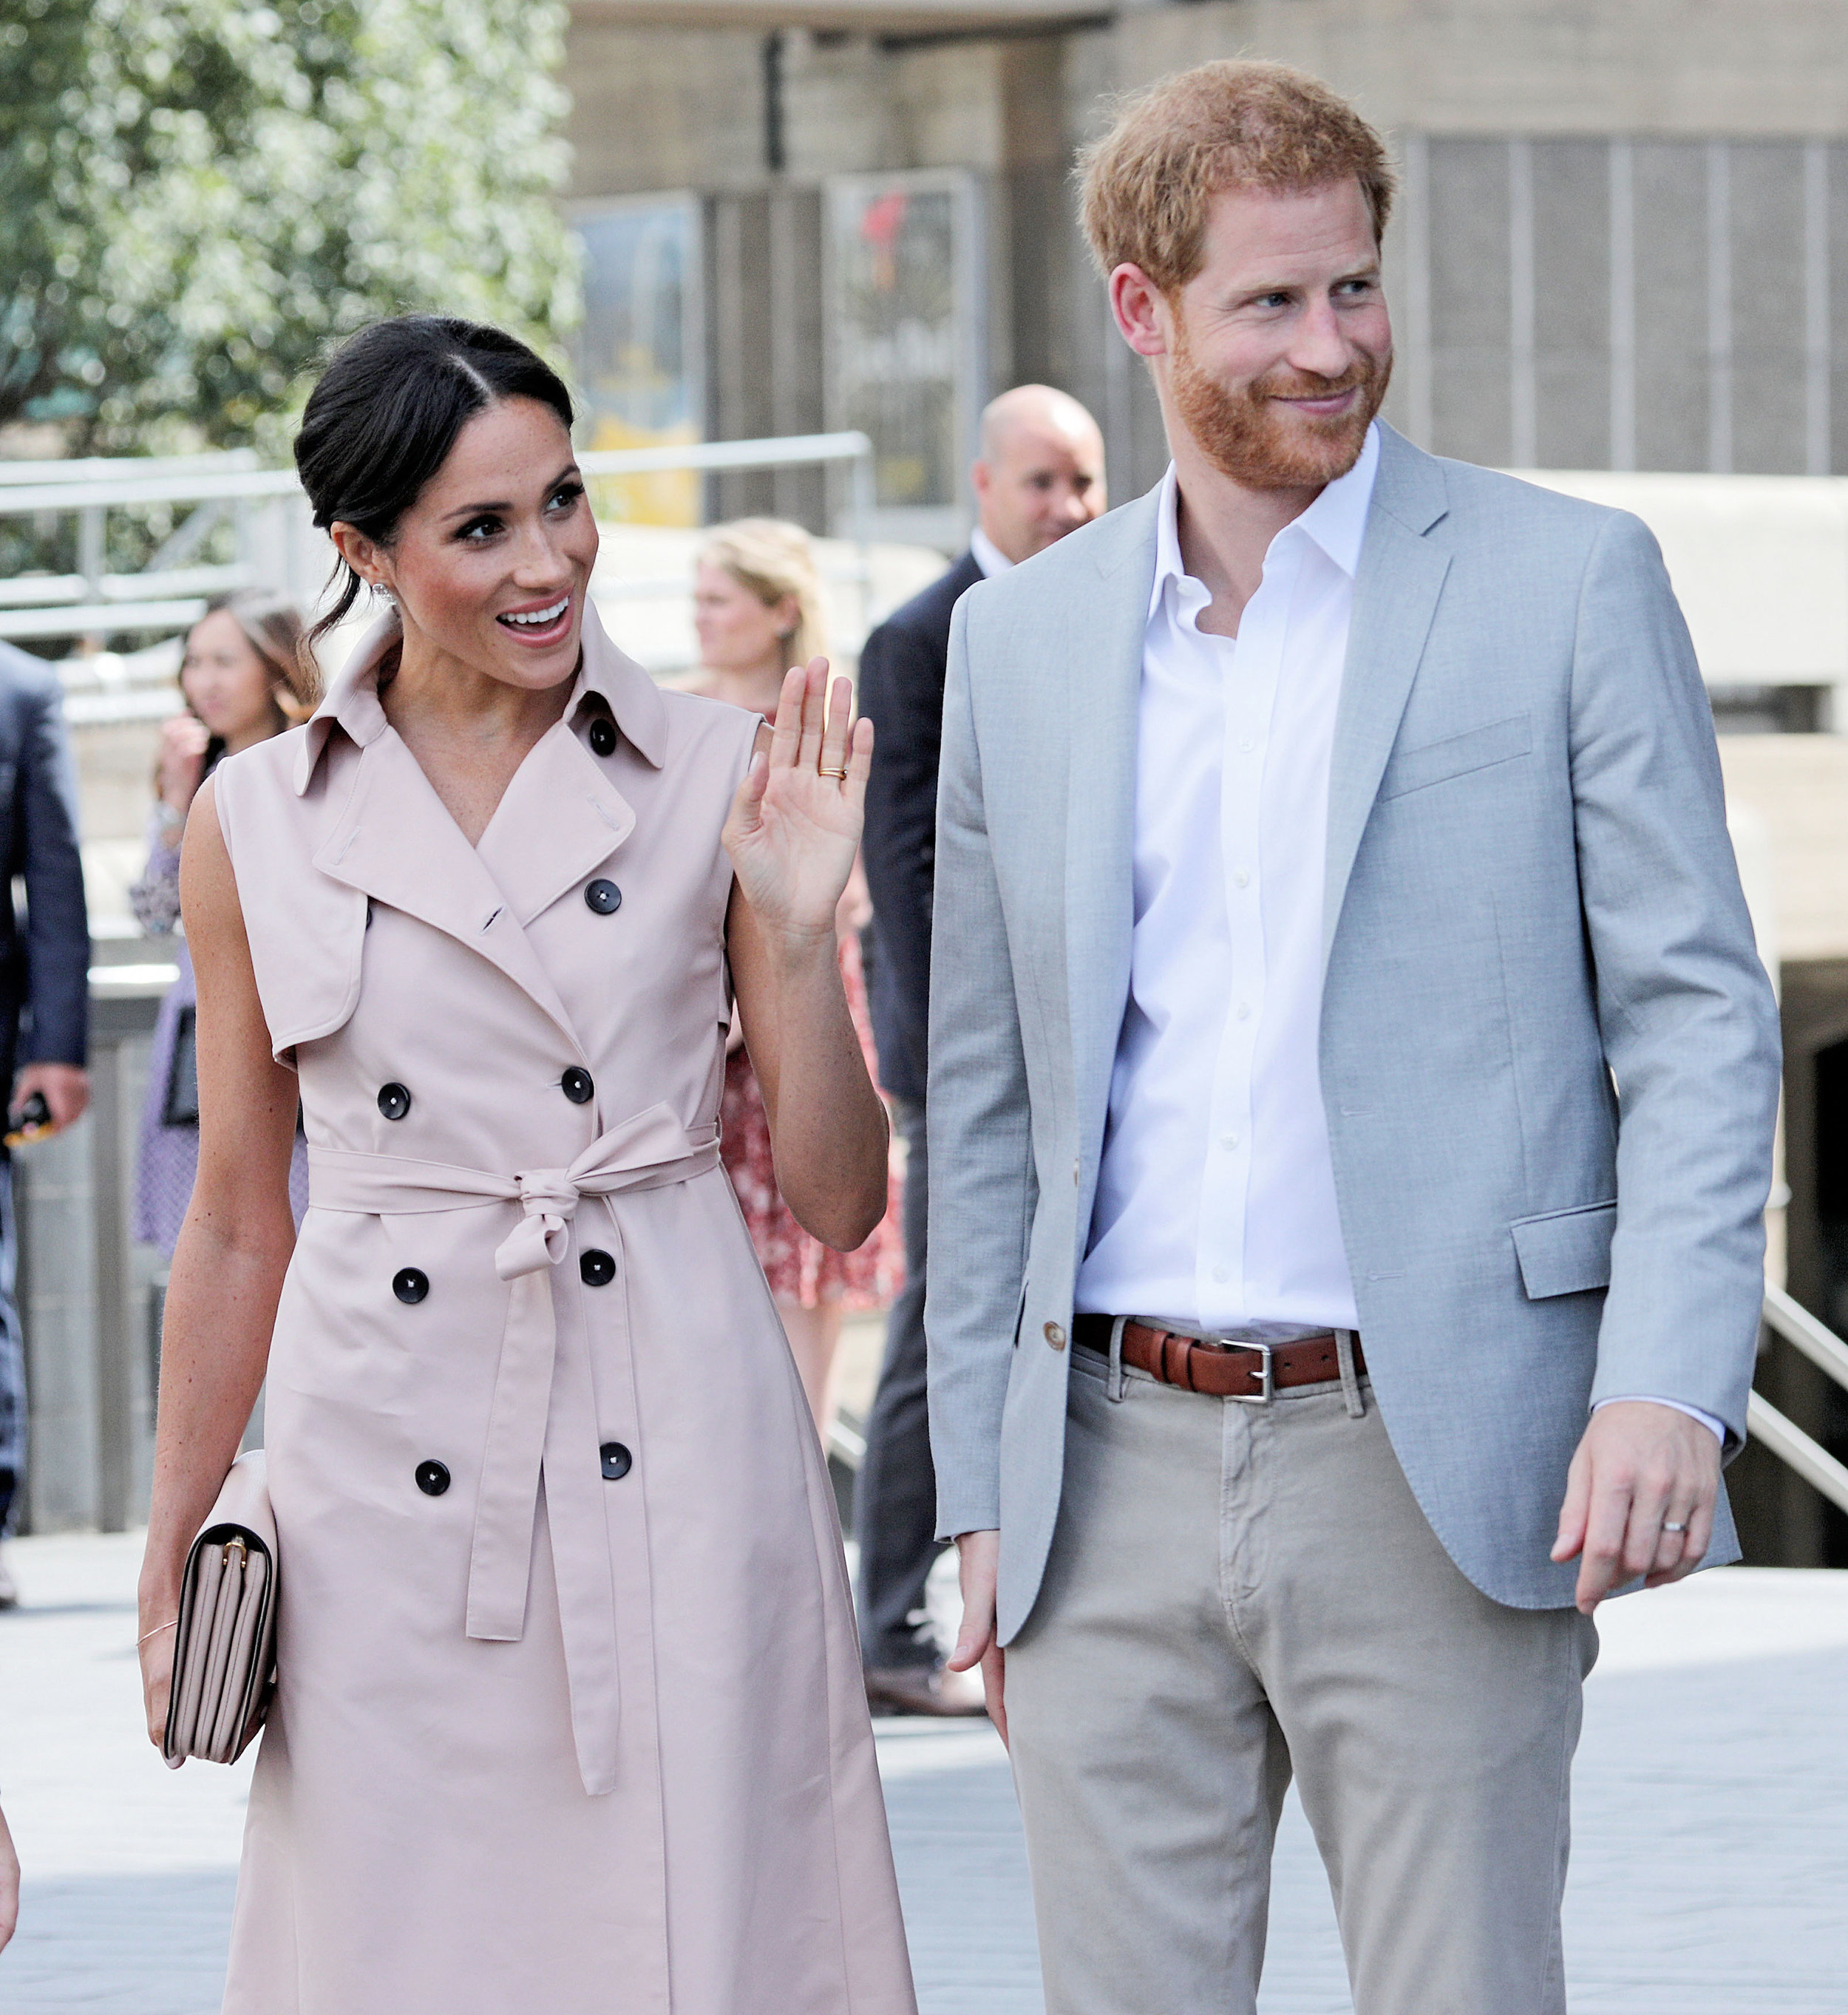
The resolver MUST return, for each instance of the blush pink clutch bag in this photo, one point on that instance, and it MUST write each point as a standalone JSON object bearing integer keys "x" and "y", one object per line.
{"x": 225, "y": 1645}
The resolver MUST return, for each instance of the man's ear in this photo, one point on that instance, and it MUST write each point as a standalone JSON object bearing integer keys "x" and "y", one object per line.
{"x": 1142, "y": 312}
{"x": 980, "y": 477}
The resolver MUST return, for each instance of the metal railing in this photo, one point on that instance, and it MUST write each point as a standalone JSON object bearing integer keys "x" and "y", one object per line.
{"x": 169, "y": 595}
{"x": 1782, "y": 1436}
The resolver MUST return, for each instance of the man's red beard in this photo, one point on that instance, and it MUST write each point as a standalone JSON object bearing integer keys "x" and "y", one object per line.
{"x": 1247, "y": 436}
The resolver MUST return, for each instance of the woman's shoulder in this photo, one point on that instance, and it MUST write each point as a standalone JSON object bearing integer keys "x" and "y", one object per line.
{"x": 702, "y": 729}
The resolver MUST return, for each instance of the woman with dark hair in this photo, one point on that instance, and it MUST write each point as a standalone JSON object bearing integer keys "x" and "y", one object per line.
{"x": 568, "y": 1715}
{"x": 247, "y": 674}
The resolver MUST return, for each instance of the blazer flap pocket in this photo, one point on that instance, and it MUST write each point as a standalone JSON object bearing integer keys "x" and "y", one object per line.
{"x": 1565, "y": 1251}
{"x": 1456, "y": 755}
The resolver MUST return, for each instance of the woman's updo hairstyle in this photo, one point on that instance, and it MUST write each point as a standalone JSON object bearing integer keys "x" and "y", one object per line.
{"x": 386, "y": 411}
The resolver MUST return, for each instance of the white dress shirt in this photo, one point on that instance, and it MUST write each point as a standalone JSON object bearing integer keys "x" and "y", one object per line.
{"x": 1216, "y": 1197}
{"x": 987, "y": 555}
{"x": 1215, "y": 1207}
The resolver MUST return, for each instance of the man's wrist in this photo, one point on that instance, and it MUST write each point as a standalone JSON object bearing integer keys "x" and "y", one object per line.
{"x": 1716, "y": 1427}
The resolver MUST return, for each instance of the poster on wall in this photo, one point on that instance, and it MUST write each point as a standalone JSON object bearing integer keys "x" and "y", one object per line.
{"x": 641, "y": 351}
{"x": 904, "y": 325}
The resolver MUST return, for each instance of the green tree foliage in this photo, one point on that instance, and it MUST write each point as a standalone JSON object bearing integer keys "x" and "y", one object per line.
{"x": 197, "y": 195}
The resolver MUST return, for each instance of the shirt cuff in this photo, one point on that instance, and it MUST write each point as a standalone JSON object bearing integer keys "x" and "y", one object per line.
{"x": 1716, "y": 1428}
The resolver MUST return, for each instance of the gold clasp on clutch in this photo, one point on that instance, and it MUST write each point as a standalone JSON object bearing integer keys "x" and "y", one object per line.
{"x": 242, "y": 1553}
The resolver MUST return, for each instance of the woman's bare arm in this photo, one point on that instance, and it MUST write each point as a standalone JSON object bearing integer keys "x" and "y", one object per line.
{"x": 234, "y": 1246}
{"x": 793, "y": 836}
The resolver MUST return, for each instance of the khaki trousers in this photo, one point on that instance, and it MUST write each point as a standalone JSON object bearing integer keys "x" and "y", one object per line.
{"x": 1237, "y": 1593}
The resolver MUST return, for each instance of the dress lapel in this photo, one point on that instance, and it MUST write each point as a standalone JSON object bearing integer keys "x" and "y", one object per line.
{"x": 396, "y": 843}
{"x": 1099, "y": 694}
{"x": 1400, "y": 577}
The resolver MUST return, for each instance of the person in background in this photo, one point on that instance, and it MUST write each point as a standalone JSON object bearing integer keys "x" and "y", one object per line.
{"x": 45, "y": 984}
{"x": 1040, "y": 476}
{"x": 247, "y": 676}
{"x": 757, "y": 610}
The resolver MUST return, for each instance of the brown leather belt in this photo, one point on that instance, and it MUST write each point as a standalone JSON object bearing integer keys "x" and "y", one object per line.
{"x": 1224, "y": 1370}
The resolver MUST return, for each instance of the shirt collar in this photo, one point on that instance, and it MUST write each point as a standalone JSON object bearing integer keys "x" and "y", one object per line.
{"x": 604, "y": 673}
{"x": 1336, "y": 521}
{"x": 988, "y": 556}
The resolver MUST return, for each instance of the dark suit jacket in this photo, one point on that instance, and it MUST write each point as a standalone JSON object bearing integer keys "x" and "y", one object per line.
{"x": 901, "y": 691}
{"x": 44, "y": 965}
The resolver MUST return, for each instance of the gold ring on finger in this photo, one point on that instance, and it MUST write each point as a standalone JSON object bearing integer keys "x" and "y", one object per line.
{"x": 839, "y": 775}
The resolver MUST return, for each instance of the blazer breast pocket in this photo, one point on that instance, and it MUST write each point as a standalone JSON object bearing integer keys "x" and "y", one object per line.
{"x": 1565, "y": 1251}
{"x": 1456, "y": 755}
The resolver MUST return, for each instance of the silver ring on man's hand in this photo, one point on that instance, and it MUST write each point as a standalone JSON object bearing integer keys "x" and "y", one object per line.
{"x": 1669, "y": 1525}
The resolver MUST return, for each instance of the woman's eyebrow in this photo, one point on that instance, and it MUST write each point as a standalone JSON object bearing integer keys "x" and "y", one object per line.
{"x": 501, "y": 504}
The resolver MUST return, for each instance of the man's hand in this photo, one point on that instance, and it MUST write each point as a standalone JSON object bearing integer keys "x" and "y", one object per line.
{"x": 66, "y": 1088}
{"x": 979, "y": 1557}
{"x": 1641, "y": 1469}
{"x": 9, "y": 1885}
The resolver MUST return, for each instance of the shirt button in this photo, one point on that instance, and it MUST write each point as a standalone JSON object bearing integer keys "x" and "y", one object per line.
{"x": 604, "y": 897}
{"x": 1055, "y": 1336}
{"x": 616, "y": 1460}
{"x": 1244, "y": 1011}
{"x": 603, "y": 736}
{"x": 1246, "y": 747}
{"x": 432, "y": 1479}
{"x": 1243, "y": 878}
{"x": 1222, "y": 1273}
{"x": 410, "y": 1285}
{"x": 578, "y": 1086}
{"x": 394, "y": 1100}
{"x": 1229, "y": 1139}
{"x": 595, "y": 1269}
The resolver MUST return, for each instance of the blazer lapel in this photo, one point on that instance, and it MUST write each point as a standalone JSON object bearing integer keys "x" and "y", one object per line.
{"x": 560, "y": 818}
{"x": 1099, "y": 698}
{"x": 1396, "y": 588}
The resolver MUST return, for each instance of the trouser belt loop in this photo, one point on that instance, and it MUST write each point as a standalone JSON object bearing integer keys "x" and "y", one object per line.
{"x": 1114, "y": 1385}
{"x": 1350, "y": 1383}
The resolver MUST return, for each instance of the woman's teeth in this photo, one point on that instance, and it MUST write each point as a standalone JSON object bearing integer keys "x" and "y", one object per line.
{"x": 540, "y": 618}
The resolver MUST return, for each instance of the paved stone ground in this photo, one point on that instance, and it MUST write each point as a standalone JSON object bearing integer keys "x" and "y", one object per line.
{"x": 1709, "y": 1877}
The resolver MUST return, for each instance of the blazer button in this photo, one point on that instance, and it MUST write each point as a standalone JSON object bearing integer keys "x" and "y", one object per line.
{"x": 410, "y": 1285}
{"x": 432, "y": 1479}
{"x": 615, "y": 1459}
{"x": 1055, "y": 1336}
{"x": 603, "y": 736}
{"x": 394, "y": 1101}
{"x": 596, "y": 1269}
{"x": 578, "y": 1086}
{"x": 604, "y": 897}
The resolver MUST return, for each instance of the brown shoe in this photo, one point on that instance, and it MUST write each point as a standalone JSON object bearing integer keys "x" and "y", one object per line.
{"x": 932, "y": 1690}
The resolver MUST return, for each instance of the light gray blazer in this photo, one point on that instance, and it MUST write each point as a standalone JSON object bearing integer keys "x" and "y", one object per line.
{"x": 1549, "y": 1052}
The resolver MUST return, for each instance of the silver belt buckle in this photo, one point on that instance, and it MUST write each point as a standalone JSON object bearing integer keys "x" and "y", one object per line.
{"x": 1266, "y": 1390}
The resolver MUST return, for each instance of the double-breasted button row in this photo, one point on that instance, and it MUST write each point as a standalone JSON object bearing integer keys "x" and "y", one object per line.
{"x": 432, "y": 1477}
{"x": 595, "y": 1267}
{"x": 410, "y": 1285}
{"x": 602, "y": 897}
{"x": 578, "y": 1085}
{"x": 394, "y": 1100}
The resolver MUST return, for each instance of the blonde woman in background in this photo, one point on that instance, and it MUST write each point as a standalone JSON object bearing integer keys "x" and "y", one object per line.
{"x": 757, "y": 610}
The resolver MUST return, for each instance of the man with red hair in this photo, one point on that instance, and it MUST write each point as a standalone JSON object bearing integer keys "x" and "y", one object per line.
{"x": 1352, "y": 1088}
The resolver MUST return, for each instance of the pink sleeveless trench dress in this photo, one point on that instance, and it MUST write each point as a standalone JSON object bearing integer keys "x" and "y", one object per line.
{"x": 570, "y": 1717}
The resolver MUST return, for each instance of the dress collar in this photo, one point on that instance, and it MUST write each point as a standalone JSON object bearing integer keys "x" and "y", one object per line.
{"x": 604, "y": 673}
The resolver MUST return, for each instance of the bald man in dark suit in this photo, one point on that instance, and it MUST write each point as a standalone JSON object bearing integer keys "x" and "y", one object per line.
{"x": 1040, "y": 476}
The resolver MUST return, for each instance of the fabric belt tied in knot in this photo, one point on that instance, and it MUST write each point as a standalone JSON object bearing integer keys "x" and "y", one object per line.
{"x": 650, "y": 1150}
